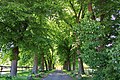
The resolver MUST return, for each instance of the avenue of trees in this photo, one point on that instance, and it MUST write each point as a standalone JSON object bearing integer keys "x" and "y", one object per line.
{"x": 38, "y": 32}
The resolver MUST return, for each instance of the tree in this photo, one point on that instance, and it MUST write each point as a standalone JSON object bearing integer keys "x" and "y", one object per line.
{"x": 64, "y": 49}
{"x": 12, "y": 29}
{"x": 80, "y": 29}
{"x": 18, "y": 24}
{"x": 96, "y": 51}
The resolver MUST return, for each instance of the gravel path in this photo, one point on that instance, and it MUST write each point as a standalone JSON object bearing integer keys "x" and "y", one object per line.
{"x": 58, "y": 75}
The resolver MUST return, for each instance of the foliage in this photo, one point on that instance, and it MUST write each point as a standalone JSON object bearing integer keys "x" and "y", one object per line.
{"x": 97, "y": 54}
{"x": 21, "y": 24}
{"x": 110, "y": 69}
{"x": 39, "y": 26}
{"x": 64, "y": 49}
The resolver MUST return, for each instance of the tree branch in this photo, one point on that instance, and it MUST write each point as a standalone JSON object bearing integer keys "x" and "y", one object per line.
{"x": 72, "y": 6}
{"x": 79, "y": 13}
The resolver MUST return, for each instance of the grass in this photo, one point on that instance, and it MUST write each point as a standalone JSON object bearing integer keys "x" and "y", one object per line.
{"x": 20, "y": 76}
{"x": 24, "y": 75}
{"x": 76, "y": 76}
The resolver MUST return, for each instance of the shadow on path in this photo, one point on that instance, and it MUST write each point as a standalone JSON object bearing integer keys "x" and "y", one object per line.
{"x": 58, "y": 75}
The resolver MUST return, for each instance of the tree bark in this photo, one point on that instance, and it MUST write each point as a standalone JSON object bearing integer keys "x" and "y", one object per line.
{"x": 69, "y": 66}
{"x": 35, "y": 67}
{"x": 50, "y": 64}
{"x": 91, "y": 11}
{"x": 68, "y": 62}
{"x": 42, "y": 62}
{"x": 65, "y": 66}
{"x": 13, "y": 71}
{"x": 80, "y": 64}
{"x": 46, "y": 65}
{"x": 74, "y": 61}
{"x": 54, "y": 66}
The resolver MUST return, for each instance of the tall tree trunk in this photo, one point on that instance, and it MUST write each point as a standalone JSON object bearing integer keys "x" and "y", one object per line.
{"x": 68, "y": 62}
{"x": 91, "y": 10}
{"x": 69, "y": 65}
{"x": 13, "y": 71}
{"x": 80, "y": 64}
{"x": 65, "y": 66}
{"x": 35, "y": 67}
{"x": 46, "y": 65}
{"x": 78, "y": 17}
{"x": 74, "y": 61}
{"x": 54, "y": 66}
{"x": 42, "y": 62}
{"x": 50, "y": 64}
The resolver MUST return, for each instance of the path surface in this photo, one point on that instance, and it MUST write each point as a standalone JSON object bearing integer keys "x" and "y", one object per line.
{"x": 58, "y": 75}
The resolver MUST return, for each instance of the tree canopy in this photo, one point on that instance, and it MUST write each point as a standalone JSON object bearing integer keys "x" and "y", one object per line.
{"x": 76, "y": 31}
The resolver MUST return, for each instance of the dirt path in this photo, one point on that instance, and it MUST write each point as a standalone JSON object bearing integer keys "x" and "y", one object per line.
{"x": 58, "y": 75}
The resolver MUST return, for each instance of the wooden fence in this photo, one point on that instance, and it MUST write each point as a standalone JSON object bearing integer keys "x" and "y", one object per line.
{"x": 19, "y": 68}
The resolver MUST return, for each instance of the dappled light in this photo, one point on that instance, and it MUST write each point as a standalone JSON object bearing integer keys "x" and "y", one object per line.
{"x": 59, "y": 39}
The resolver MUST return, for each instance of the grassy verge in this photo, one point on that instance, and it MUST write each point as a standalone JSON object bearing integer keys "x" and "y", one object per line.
{"x": 25, "y": 75}
{"x": 69, "y": 73}
{"x": 76, "y": 76}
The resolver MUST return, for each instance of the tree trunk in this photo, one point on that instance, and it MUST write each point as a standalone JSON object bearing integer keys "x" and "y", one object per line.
{"x": 65, "y": 66}
{"x": 80, "y": 64}
{"x": 91, "y": 11}
{"x": 35, "y": 67}
{"x": 74, "y": 61}
{"x": 53, "y": 66}
{"x": 50, "y": 64}
{"x": 69, "y": 66}
{"x": 42, "y": 62}
{"x": 13, "y": 71}
{"x": 46, "y": 65}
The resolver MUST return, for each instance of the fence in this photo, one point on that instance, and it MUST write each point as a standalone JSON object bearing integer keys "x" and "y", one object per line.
{"x": 4, "y": 69}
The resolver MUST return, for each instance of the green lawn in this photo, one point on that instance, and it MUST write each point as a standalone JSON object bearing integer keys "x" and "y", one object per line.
{"x": 24, "y": 75}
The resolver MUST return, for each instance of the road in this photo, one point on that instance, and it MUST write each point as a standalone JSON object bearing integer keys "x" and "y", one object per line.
{"x": 58, "y": 75}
